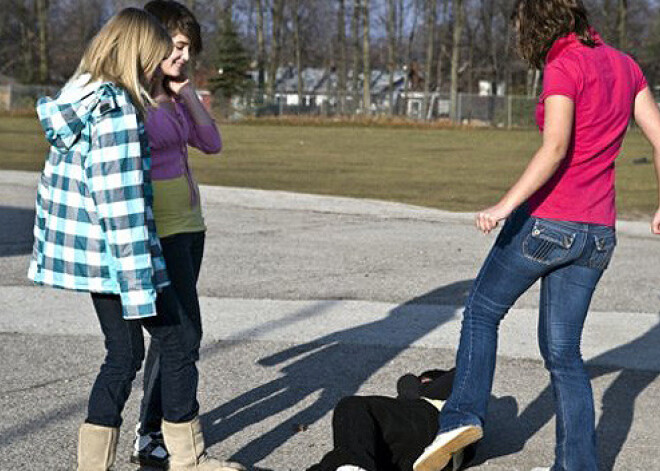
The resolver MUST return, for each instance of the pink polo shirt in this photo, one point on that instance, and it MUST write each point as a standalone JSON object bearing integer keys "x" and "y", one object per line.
{"x": 603, "y": 83}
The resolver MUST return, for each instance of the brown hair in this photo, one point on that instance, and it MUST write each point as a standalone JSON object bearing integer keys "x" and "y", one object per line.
{"x": 540, "y": 23}
{"x": 177, "y": 19}
{"x": 128, "y": 49}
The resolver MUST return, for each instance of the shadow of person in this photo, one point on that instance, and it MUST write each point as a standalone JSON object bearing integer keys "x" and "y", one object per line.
{"x": 617, "y": 406}
{"x": 319, "y": 373}
{"x": 16, "y": 235}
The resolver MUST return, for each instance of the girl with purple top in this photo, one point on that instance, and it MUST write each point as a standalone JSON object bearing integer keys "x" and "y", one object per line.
{"x": 179, "y": 120}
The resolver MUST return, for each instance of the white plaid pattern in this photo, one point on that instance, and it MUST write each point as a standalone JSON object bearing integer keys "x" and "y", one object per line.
{"x": 94, "y": 227}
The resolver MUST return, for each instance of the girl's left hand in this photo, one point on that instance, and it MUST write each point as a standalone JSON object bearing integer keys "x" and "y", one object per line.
{"x": 488, "y": 219}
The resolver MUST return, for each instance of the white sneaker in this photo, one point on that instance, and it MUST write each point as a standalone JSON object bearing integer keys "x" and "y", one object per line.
{"x": 149, "y": 450}
{"x": 541, "y": 469}
{"x": 349, "y": 467}
{"x": 437, "y": 454}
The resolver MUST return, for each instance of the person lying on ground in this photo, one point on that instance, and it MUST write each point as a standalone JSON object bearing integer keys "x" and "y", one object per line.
{"x": 378, "y": 433}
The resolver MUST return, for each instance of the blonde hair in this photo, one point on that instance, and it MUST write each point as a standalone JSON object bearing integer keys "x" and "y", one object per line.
{"x": 128, "y": 49}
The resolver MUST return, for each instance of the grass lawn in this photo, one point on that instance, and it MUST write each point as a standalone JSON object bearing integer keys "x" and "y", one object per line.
{"x": 453, "y": 169}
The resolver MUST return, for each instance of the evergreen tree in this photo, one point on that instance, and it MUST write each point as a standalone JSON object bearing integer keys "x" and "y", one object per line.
{"x": 232, "y": 61}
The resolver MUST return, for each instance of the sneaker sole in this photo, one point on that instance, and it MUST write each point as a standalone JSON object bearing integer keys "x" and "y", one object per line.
{"x": 437, "y": 459}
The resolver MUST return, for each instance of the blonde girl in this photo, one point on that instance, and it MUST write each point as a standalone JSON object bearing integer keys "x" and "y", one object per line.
{"x": 94, "y": 228}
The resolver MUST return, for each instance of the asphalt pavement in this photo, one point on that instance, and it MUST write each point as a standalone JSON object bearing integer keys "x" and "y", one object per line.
{"x": 306, "y": 299}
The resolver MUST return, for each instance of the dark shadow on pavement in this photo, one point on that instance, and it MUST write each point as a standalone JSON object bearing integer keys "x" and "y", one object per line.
{"x": 16, "y": 226}
{"x": 507, "y": 435}
{"x": 330, "y": 367}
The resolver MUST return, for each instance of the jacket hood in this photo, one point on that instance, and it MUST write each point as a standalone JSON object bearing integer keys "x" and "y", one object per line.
{"x": 65, "y": 116}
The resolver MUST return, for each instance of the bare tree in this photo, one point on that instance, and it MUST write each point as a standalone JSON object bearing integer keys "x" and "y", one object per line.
{"x": 431, "y": 7}
{"x": 442, "y": 53}
{"x": 470, "y": 34}
{"x": 507, "y": 58}
{"x": 366, "y": 57}
{"x": 457, "y": 7}
{"x": 261, "y": 49}
{"x": 355, "y": 33}
{"x": 277, "y": 16}
{"x": 391, "y": 49}
{"x": 42, "y": 20}
{"x": 298, "y": 49}
{"x": 487, "y": 19}
{"x": 622, "y": 20}
{"x": 229, "y": 7}
{"x": 341, "y": 54}
{"x": 408, "y": 62}
{"x": 401, "y": 7}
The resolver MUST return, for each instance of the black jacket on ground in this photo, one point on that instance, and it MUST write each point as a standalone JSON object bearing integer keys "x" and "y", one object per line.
{"x": 380, "y": 433}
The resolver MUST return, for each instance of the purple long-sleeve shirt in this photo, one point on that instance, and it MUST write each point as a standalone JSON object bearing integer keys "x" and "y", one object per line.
{"x": 169, "y": 136}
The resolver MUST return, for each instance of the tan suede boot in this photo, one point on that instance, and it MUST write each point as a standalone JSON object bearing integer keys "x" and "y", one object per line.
{"x": 185, "y": 444}
{"x": 96, "y": 447}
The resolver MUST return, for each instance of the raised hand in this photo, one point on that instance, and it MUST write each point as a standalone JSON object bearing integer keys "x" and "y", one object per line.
{"x": 176, "y": 85}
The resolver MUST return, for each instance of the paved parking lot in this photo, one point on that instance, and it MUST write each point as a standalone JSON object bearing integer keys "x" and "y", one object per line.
{"x": 307, "y": 299}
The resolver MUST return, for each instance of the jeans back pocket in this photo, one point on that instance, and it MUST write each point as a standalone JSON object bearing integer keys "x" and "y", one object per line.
{"x": 547, "y": 243}
{"x": 602, "y": 251}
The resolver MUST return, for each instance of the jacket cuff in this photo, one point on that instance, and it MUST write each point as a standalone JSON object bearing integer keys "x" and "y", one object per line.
{"x": 138, "y": 304}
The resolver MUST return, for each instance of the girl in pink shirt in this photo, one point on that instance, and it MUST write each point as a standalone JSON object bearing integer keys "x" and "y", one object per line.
{"x": 179, "y": 120}
{"x": 560, "y": 218}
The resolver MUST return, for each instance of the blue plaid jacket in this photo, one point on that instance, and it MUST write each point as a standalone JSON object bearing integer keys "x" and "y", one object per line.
{"x": 94, "y": 228}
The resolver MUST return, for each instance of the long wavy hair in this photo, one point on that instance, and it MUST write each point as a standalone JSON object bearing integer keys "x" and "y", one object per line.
{"x": 539, "y": 23}
{"x": 126, "y": 51}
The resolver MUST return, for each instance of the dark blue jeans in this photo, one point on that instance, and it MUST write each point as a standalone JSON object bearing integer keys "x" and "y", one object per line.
{"x": 569, "y": 258}
{"x": 124, "y": 343}
{"x": 183, "y": 256}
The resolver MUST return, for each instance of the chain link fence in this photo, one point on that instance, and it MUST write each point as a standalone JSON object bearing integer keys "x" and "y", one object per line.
{"x": 14, "y": 97}
{"x": 472, "y": 109}
{"x": 501, "y": 111}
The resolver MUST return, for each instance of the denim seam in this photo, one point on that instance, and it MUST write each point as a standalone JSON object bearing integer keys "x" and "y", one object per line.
{"x": 548, "y": 337}
{"x": 461, "y": 388}
{"x": 561, "y": 410}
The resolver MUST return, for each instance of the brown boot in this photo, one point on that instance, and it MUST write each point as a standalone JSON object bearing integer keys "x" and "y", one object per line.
{"x": 185, "y": 444}
{"x": 96, "y": 447}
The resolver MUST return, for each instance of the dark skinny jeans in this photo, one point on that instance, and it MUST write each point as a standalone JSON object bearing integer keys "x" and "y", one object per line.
{"x": 183, "y": 256}
{"x": 174, "y": 350}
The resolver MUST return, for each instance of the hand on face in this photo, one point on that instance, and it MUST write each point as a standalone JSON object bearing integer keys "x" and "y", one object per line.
{"x": 174, "y": 67}
{"x": 175, "y": 85}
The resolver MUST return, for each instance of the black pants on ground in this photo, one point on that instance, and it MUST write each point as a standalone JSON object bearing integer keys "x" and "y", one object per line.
{"x": 183, "y": 257}
{"x": 380, "y": 433}
{"x": 124, "y": 343}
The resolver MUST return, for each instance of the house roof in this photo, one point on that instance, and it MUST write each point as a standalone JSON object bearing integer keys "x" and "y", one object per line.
{"x": 326, "y": 81}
